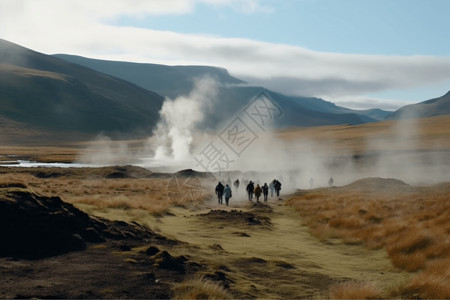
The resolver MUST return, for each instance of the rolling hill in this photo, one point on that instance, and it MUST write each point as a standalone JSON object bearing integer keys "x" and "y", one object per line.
{"x": 45, "y": 92}
{"x": 173, "y": 81}
{"x": 434, "y": 107}
{"x": 77, "y": 95}
{"x": 165, "y": 80}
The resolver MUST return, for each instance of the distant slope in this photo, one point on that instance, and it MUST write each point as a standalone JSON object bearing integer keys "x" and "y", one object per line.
{"x": 170, "y": 81}
{"x": 430, "y": 108}
{"x": 46, "y": 92}
{"x": 173, "y": 81}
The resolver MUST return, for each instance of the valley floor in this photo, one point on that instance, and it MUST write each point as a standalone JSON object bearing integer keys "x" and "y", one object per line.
{"x": 263, "y": 251}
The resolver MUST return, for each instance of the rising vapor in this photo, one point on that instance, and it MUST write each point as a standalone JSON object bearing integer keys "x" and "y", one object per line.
{"x": 174, "y": 134}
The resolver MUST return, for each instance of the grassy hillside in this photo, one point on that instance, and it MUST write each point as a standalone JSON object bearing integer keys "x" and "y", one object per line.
{"x": 170, "y": 81}
{"x": 428, "y": 133}
{"x": 433, "y": 107}
{"x": 173, "y": 81}
{"x": 46, "y": 93}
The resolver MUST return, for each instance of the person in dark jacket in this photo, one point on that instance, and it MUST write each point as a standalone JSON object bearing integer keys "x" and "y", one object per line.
{"x": 219, "y": 192}
{"x": 250, "y": 190}
{"x": 277, "y": 186}
{"x": 265, "y": 191}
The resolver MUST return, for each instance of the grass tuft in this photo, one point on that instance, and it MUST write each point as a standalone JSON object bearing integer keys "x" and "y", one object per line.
{"x": 355, "y": 290}
{"x": 200, "y": 289}
{"x": 434, "y": 281}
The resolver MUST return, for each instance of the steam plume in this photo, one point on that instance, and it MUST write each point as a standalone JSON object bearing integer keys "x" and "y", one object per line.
{"x": 174, "y": 133}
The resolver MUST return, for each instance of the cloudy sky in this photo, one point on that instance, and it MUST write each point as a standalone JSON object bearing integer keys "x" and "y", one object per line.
{"x": 356, "y": 53}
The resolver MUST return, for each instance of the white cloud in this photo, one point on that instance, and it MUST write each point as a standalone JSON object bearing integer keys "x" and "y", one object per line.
{"x": 84, "y": 28}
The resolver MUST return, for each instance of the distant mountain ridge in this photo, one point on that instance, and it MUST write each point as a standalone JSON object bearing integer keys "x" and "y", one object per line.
{"x": 170, "y": 81}
{"x": 49, "y": 93}
{"x": 429, "y": 108}
{"x": 173, "y": 81}
{"x": 66, "y": 93}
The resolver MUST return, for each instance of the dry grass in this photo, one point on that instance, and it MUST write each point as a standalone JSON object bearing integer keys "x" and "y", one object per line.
{"x": 200, "y": 289}
{"x": 355, "y": 290}
{"x": 411, "y": 223}
{"x": 61, "y": 153}
{"x": 432, "y": 133}
{"x": 148, "y": 194}
{"x": 434, "y": 281}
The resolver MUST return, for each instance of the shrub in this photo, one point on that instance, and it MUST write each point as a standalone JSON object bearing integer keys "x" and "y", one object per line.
{"x": 433, "y": 282}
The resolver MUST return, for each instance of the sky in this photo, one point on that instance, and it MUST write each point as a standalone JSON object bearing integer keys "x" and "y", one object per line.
{"x": 356, "y": 53}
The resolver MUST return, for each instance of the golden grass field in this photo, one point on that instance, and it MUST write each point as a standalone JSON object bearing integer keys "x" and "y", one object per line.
{"x": 411, "y": 223}
{"x": 374, "y": 238}
{"x": 430, "y": 133}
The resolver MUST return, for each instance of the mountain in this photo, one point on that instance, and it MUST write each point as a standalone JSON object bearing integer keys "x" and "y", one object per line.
{"x": 430, "y": 108}
{"x": 173, "y": 81}
{"x": 170, "y": 81}
{"x": 48, "y": 93}
{"x": 65, "y": 95}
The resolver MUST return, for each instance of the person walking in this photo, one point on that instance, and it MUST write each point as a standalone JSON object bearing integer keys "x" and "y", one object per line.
{"x": 227, "y": 194}
{"x": 265, "y": 191}
{"x": 271, "y": 188}
{"x": 277, "y": 186}
{"x": 250, "y": 190}
{"x": 258, "y": 192}
{"x": 331, "y": 181}
{"x": 219, "y": 192}
{"x": 236, "y": 185}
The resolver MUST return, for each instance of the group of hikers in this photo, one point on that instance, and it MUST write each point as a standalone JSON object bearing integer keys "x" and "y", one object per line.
{"x": 222, "y": 191}
{"x": 252, "y": 190}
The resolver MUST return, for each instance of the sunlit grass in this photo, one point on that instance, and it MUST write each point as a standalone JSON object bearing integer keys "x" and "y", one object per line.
{"x": 200, "y": 289}
{"x": 355, "y": 290}
{"x": 148, "y": 194}
{"x": 411, "y": 223}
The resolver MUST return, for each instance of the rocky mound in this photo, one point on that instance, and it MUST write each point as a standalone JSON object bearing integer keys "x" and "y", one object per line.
{"x": 111, "y": 172}
{"x": 193, "y": 173}
{"x": 377, "y": 185}
{"x": 34, "y": 226}
{"x": 261, "y": 207}
{"x": 233, "y": 217}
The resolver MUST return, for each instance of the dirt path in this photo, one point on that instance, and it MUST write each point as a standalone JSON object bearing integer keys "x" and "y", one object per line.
{"x": 278, "y": 260}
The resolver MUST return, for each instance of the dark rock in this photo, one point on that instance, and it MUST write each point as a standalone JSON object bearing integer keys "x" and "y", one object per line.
{"x": 284, "y": 265}
{"x": 238, "y": 217}
{"x": 12, "y": 185}
{"x": 34, "y": 226}
{"x": 48, "y": 174}
{"x": 166, "y": 261}
{"x": 124, "y": 247}
{"x": 152, "y": 250}
{"x": 216, "y": 247}
{"x": 243, "y": 234}
{"x": 115, "y": 175}
{"x": 257, "y": 260}
{"x": 220, "y": 277}
{"x": 91, "y": 235}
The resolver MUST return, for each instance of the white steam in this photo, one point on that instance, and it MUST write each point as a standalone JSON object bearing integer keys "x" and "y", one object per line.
{"x": 174, "y": 134}
{"x": 104, "y": 151}
{"x": 393, "y": 150}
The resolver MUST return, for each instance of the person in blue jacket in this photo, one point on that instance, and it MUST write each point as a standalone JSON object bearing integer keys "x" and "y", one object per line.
{"x": 227, "y": 194}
